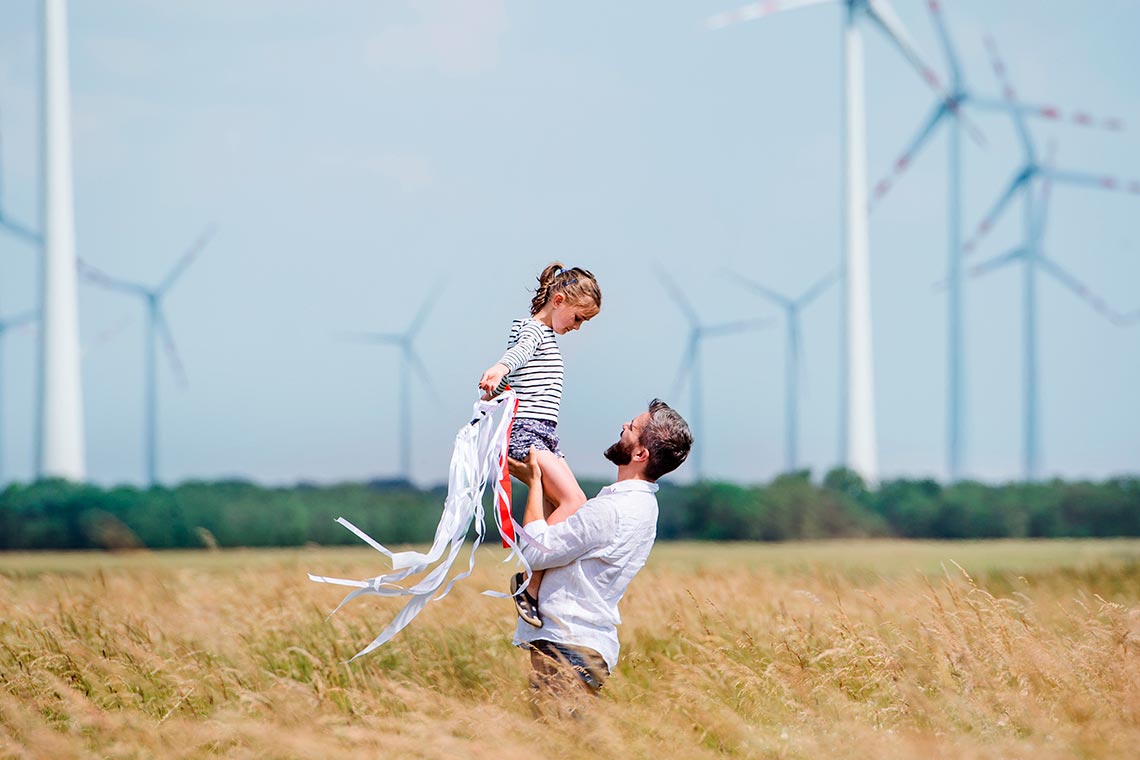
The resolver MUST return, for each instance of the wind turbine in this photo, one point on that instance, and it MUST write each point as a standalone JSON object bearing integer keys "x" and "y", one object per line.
{"x": 157, "y": 329}
{"x": 948, "y": 110}
{"x": 857, "y": 440}
{"x": 691, "y": 364}
{"x": 792, "y": 308}
{"x": 1029, "y": 253}
{"x": 409, "y": 362}
{"x": 6, "y": 324}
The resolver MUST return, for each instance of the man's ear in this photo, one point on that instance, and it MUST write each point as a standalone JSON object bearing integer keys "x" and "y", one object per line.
{"x": 640, "y": 454}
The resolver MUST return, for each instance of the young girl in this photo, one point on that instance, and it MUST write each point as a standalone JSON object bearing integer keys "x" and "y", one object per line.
{"x": 564, "y": 300}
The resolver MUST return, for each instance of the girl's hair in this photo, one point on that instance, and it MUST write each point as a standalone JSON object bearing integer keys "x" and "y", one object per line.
{"x": 577, "y": 284}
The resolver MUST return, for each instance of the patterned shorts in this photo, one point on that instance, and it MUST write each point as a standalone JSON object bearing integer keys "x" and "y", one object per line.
{"x": 528, "y": 432}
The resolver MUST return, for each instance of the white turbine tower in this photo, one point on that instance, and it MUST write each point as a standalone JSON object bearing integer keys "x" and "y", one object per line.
{"x": 157, "y": 329}
{"x": 792, "y": 307}
{"x": 61, "y": 448}
{"x": 690, "y": 366}
{"x": 857, "y": 440}
{"x": 409, "y": 361}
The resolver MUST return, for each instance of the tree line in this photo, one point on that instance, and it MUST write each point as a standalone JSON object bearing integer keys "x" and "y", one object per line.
{"x": 56, "y": 514}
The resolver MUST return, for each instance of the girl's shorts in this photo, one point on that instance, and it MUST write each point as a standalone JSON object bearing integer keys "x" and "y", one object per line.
{"x": 527, "y": 432}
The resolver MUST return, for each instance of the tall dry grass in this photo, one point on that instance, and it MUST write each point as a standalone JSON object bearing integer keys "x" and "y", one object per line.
{"x": 791, "y": 651}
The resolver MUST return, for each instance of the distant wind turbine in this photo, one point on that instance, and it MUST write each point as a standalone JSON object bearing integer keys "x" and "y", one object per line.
{"x": 948, "y": 110}
{"x": 792, "y": 308}
{"x": 857, "y": 439}
{"x": 1030, "y": 251}
{"x": 6, "y": 324}
{"x": 157, "y": 329}
{"x": 690, "y": 366}
{"x": 409, "y": 362}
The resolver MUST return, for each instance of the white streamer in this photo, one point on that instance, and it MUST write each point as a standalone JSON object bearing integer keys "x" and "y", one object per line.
{"x": 479, "y": 454}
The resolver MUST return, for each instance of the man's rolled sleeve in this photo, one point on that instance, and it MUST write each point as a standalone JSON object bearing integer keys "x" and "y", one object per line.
{"x": 585, "y": 531}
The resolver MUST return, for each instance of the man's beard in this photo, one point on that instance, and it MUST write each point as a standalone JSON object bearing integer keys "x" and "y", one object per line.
{"x": 618, "y": 454}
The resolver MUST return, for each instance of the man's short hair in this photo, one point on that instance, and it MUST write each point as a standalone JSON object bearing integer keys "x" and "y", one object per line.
{"x": 667, "y": 438}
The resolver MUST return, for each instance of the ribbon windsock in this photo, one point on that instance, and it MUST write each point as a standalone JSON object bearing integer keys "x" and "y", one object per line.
{"x": 478, "y": 459}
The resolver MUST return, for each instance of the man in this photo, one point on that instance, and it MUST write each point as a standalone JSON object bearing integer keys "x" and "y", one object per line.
{"x": 591, "y": 557}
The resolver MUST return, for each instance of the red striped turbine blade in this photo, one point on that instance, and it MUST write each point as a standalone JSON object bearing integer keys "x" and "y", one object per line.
{"x": 754, "y": 11}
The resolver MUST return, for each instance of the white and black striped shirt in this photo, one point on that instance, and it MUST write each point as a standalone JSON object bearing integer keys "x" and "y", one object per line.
{"x": 535, "y": 369}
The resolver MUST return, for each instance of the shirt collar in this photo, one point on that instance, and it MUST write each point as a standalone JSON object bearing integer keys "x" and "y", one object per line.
{"x": 630, "y": 485}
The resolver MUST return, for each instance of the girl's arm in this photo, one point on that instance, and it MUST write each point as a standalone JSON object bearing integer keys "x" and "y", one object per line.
{"x": 529, "y": 338}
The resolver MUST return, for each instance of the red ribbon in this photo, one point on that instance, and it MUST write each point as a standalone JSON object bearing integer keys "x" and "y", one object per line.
{"x": 503, "y": 493}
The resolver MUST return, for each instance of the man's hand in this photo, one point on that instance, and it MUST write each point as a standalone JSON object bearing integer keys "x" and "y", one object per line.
{"x": 528, "y": 472}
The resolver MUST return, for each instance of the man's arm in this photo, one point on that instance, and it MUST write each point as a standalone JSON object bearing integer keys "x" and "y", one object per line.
{"x": 567, "y": 541}
{"x": 530, "y": 475}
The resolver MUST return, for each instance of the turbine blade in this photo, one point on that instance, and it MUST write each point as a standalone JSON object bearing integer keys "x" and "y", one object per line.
{"x": 106, "y": 335}
{"x": 421, "y": 370}
{"x": 944, "y": 38}
{"x": 104, "y": 280}
{"x": 1059, "y": 115}
{"x": 678, "y": 297}
{"x": 758, "y": 289}
{"x": 19, "y": 320}
{"x": 171, "y": 350}
{"x": 758, "y": 10}
{"x": 991, "y": 218}
{"x": 387, "y": 339}
{"x": 19, "y": 230}
{"x": 730, "y": 328}
{"x": 881, "y": 12}
{"x": 816, "y": 290}
{"x": 1102, "y": 182}
{"x": 1130, "y": 318}
{"x": 904, "y": 161}
{"x": 1082, "y": 291}
{"x": 1008, "y": 94}
{"x": 997, "y": 262}
{"x": 429, "y": 302}
{"x": 187, "y": 258}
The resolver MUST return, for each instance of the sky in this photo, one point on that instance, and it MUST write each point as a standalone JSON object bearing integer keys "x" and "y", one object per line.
{"x": 358, "y": 158}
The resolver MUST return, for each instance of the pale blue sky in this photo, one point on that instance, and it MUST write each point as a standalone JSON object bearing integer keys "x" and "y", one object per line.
{"x": 354, "y": 153}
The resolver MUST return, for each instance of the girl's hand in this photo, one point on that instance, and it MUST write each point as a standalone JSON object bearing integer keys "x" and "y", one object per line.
{"x": 491, "y": 379}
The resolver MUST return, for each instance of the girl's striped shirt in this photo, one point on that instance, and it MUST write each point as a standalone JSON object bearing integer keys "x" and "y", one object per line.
{"x": 535, "y": 369}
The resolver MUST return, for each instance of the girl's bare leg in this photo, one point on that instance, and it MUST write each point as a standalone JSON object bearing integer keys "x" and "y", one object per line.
{"x": 561, "y": 496}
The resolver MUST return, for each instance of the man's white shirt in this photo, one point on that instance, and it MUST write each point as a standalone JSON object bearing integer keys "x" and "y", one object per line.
{"x": 592, "y": 557}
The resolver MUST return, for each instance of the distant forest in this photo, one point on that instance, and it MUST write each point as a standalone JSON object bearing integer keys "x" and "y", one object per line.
{"x": 56, "y": 514}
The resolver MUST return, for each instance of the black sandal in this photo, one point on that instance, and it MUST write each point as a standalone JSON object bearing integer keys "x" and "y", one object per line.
{"x": 525, "y": 604}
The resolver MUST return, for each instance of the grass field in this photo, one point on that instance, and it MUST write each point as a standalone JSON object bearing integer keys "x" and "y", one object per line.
{"x": 828, "y": 650}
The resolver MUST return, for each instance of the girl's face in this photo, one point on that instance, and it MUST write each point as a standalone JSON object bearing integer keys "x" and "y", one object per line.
{"x": 567, "y": 316}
